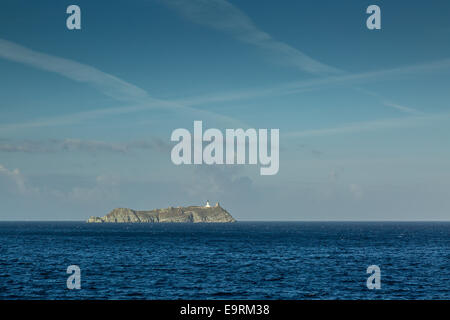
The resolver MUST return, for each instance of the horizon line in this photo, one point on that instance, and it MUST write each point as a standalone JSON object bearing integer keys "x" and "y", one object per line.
{"x": 310, "y": 220}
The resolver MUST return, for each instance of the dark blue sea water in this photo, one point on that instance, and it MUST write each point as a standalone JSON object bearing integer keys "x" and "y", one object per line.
{"x": 245, "y": 260}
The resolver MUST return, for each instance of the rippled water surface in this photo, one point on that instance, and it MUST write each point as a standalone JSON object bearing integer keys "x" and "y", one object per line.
{"x": 244, "y": 260}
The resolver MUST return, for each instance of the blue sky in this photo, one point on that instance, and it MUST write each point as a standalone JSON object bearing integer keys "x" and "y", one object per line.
{"x": 86, "y": 115}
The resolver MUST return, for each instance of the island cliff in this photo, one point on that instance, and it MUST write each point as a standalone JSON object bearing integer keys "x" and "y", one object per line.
{"x": 180, "y": 214}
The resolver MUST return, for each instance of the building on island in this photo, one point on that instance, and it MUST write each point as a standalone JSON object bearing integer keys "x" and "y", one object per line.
{"x": 208, "y": 205}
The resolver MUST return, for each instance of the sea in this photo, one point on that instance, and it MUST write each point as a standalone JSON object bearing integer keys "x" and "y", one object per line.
{"x": 243, "y": 260}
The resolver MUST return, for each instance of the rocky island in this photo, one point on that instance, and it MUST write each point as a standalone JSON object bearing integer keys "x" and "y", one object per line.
{"x": 192, "y": 214}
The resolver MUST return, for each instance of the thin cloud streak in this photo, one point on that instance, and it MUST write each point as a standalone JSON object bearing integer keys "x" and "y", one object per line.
{"x": 301, "y": 86}
{"x": 108, "y": 84}
{"x": 122, "y": 90}
{"x": 396, "y": 106}
{"x": 223, "y": 16}
{"x": 104, "y": 82}
{"x": 89, "y": 146}
{"x": 403, "y": 108}
{"x": 189, "y": 103}
{"x": 396, "y": 123}
{"x": 79, "y": 117}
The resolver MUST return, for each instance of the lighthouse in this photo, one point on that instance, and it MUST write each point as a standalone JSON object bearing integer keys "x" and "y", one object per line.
{"x": 207, "y": 204}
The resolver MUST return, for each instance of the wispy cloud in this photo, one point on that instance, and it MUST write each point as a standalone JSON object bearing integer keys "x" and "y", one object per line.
{"x": 89, "y": 146}
{"x": 402, "y": 108}
{"x": 155, "y": 144}
{"x": 396, "y": 123}
{"x": 151, "y": 104}
{"x": 104, "y": 82}
{"x": 223, "y": 16}
{"x": 356, "y": 190}
{"x": 15, "y": 177}
{"x": 104, "y": 187}
{"x": 218, "y": 181}
{"x": 125, "y": 91}
{"x": 390, "y": 104}
{"x": 188, "y": 104}
{"x": 108, "y": 84}
{"x": 312, "y": 84}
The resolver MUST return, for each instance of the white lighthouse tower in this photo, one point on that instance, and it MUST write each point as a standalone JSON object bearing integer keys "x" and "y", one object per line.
{"x": 207, "y": 204}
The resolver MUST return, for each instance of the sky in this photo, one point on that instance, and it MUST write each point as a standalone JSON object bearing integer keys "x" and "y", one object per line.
{"x": 86, "y": 115}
